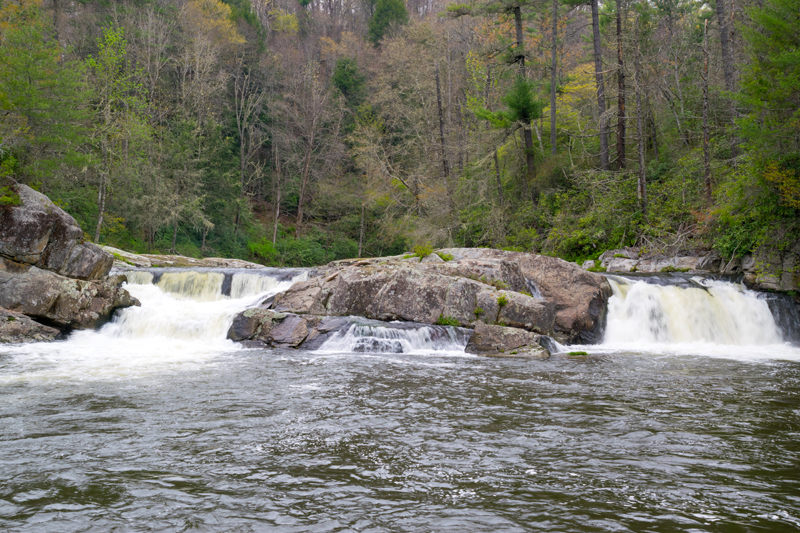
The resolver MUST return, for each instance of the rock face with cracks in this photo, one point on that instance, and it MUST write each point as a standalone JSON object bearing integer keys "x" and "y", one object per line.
{"x": 57, "y": 301}
{"x": 39, "y": 233}
{"x": 17, "y": 328}
{"x": 539, "y": 294}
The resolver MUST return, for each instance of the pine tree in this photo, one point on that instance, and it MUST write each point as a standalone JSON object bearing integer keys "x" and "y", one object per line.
{"x": 387, "y": 12}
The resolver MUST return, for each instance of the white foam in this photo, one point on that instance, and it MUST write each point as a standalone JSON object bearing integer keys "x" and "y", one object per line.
{"x": 168, "y": 332}
{"x": 381, "y": 339}
{"x": 720, "y": 320}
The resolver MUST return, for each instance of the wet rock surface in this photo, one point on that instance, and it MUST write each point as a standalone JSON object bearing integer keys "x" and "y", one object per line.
{"x": 16, "y": 328}
{"x": 39, "y": 233}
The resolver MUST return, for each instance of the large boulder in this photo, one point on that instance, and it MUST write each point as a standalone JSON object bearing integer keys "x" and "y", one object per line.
{"x": 16, "y": 328}
{"x": 39, "y": 233}
{"x": 579, "y": 296}
{"x": 400, "y": 291}
{"x": 254, "y": 324}
{"x": 498, "y": 340}
{"x": 58, "y": 301}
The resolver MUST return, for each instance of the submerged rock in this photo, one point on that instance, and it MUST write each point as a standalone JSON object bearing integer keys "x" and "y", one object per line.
{"x": 39, "y": 233}
{"x": 62, "y": 302}
{"x": 16, "y": 328}
{"x": 253, "y": 324}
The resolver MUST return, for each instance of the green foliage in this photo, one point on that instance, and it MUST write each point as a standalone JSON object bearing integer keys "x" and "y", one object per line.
{"x": 263, "y": 250}
{"x": 502, "y": 300}
{"x": 579, "y": 353}
{"x": 42, "y": 98}
{"x": 11, "y": 318}
{"x": 478, "y": 312}
{"x": 522, "y": 106}
{"x": 670, "y": 269}
{"x": 447, "y": 321}
{"x": 771, "y": 84}
{"x": 9, "y": 197}
{"x": 387, "y": 13}
{"x": 445, "y": 256}
{"x": 422, "y": 250}
{"x": 350, "y": 81}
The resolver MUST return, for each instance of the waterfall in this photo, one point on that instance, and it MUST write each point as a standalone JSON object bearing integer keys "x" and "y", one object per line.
{"x": 398, "y": 338}
{"x": 183, "y": 320}
{"x": 212, "y": 285}
{"x": 714, "y": 312}
{"x": 693, "y": 316}
{"x": 197, "y": 286}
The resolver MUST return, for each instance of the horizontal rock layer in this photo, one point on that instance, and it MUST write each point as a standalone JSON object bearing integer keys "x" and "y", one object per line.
{"x": 59, "y": 301}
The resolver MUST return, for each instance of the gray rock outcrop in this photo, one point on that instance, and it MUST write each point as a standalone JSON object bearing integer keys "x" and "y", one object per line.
{"x": 766, "y": 269}
{"x": 58, "y": 301}
{"x": 540, "y": 294}
{"x": 499, "y": 340}
{"x": 16, "y": 328}
{"x": 39, "y": 233}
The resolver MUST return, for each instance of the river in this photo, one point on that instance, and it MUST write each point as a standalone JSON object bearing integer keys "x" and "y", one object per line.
{"x": 157, "y": 423}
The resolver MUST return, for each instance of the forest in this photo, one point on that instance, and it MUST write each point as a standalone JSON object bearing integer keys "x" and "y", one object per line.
{"x": 296, "y": 132}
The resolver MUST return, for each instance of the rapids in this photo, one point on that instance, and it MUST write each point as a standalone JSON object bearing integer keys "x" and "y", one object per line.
{"x": 685, "y": 419}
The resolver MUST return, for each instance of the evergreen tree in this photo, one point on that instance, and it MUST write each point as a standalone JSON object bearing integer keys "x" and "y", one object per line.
{"x": 42, "y": 111}
{"x": 387, "y": 12}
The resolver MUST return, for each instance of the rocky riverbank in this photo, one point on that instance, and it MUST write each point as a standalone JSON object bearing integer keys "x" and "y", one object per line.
{"x": 764, "y": 270}
{"x": 51, "y": 279}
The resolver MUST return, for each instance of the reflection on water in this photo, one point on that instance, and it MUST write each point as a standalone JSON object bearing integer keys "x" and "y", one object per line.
{"x": 262, "y": 440}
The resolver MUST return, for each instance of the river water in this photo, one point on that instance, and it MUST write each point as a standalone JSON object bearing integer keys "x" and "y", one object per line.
{"x": 157, "y": 424}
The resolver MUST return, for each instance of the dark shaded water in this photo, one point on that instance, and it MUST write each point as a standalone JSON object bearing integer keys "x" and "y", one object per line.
{"x": 269, "y": 441}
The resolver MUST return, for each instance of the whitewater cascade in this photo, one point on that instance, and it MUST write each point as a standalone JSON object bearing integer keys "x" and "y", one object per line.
{"x": 397, "y": 338}
{"x": 183, "y": 321}
{"x": 699, "y": 315}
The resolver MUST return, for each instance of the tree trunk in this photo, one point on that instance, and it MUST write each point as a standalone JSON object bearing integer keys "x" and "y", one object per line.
{"x": 553, "y": 80}
{"x": 277, "y": 195}
{"x": 530, "y": 158}
{"x": 706, "y": 155}
{"x": 726, "y": 43}
{"x": 642, "y": 185}
{"x": 101, "y": 204}
{"x": 497, "y": 174}
{"x": 173, "y": 250}
{"x": 361, "y": 232}
{"x": 101, "y": 193}
{"x": 601, "y": 91}
{"x": 445, "y": 166}
{"x": 620, "y": 93}
{"x": 303, "y": 188}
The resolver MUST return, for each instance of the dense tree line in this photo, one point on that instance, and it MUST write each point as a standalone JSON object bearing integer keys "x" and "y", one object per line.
{"x": 301, "y": 131}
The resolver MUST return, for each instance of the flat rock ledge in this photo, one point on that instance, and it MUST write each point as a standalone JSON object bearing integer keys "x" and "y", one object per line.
{"x": 764, "y": 270}
{"x": 124, "y": 260}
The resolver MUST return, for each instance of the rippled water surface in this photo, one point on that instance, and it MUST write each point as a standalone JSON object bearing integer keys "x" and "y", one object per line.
{"x": 259, "y": 440}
